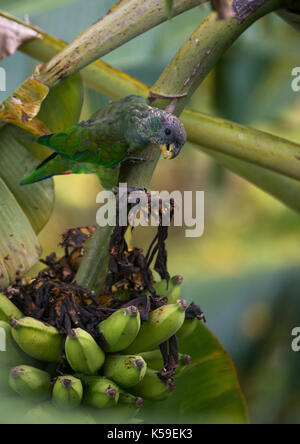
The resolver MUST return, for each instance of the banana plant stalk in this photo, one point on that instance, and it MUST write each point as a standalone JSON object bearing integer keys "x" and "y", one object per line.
{"x": 283, "y": 188}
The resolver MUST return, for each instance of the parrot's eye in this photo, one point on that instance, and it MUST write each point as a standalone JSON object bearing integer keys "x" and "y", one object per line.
{"x": 168, "y": 132}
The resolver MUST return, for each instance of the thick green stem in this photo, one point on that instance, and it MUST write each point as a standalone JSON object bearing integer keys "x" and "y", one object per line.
{"x": 93, "y": 269}
{"x": 284, "y": 189}
{"x": 126, "y": 20}
{"x": 244, "y": 143}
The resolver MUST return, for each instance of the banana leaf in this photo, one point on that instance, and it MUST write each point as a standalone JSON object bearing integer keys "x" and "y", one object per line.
{"x": 24, "y": 211}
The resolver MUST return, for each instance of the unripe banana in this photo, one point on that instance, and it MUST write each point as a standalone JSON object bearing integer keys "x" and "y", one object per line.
{"x": 12, "y": 355}
{"x": 83, "y": 353}
{"x": 125, "y": 370}
{"x": 175, "y": 286}
{"x": 8, "y": 310}
{"x": 169, "y": 290}
{"x": 188, "y": 328}
{"x": 100, "y": 392}
{"x": 38, "y": 340}
{"x": 67, "y": 392}
{"x": 30, "y": 382}
{"x": 152, "y": 387}
{"x": 130, "y": 400}
{"x": 163, "y": 323}
{"x": 155, "y": 361}
{"x": 129, "y": 405}
{"x": 120, "y": 329}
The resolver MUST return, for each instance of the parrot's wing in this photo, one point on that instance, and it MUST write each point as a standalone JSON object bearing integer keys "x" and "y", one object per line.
{"x": 72, "y": 142}
{"x": 89, "y": 143}
{"x": 56, "y": 165}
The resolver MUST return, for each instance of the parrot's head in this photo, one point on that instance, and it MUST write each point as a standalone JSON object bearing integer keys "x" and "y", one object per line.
{"x": 168, "y": 132}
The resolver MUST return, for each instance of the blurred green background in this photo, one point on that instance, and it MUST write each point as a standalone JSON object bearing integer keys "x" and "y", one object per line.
{"x": 245, "y": 270}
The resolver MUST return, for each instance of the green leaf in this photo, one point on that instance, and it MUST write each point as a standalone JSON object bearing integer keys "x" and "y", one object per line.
{"x": 25, "y": 210}
{"x": 62, "y": 107}
{"x": 60, "y": 110}
{"x": 15, "y": 162}
{"x": 19, "y": 247}
{"x": 208, "y": 390}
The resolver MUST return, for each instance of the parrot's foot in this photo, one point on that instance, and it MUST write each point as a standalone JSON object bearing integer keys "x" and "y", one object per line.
{"x": 134, "y": 160}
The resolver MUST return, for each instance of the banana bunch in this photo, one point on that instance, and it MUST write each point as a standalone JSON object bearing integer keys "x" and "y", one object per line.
{"x": 121, "y": 372}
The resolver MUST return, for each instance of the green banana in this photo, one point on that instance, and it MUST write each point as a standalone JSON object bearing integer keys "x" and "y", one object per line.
{"x": 188, "y": 328}
{"x": 129, "y": 405}
{"x": 152, "y": 387}
{"x": 67, "y": 392}
{"x": 163, "y": 323}
{"x": 100, "y": 392}
{"x": 83, "y": 353}
{"x": 171, "y": 290}
{"x": 8, "y": 310}
{"x": 12, "y": 355}
{"x": 155, "y": 361}
{"x": 120, "y": 329}
{"x": 125, "y": 370}
{"x": 130, "y": 400}
{"x": 36, "y": 339}
{"x": 30, "y": 382}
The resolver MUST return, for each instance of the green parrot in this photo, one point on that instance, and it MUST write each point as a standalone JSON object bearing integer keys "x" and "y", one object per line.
{"x": 110, "y": 137}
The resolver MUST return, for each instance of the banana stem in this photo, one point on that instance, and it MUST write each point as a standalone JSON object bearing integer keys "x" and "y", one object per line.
{"x": 254, "y": 146}
{"x": 283, "y": 188}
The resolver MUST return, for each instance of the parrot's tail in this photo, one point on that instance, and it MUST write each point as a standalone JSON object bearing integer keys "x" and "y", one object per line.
{"x": 42, "y": 172}
{"x": 45, "y": 140}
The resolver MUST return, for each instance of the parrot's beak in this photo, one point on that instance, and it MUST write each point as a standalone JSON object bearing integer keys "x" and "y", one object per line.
{"x": 169, "y": 151}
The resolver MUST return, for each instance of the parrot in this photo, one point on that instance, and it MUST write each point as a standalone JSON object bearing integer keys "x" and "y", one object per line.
{"x": 110, "y": 137}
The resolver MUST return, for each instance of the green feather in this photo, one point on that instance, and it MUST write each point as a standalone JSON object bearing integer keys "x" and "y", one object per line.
{"x": 55, "y": 166}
